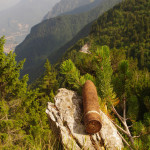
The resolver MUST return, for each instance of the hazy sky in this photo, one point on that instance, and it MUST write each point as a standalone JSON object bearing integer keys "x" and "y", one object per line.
{"x": 7, "y": 3}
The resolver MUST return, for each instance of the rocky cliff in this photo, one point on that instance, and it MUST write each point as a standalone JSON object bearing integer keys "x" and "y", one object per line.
{"x": 66, "y": 121}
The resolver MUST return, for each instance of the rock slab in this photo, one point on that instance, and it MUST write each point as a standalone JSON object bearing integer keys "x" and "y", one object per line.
{"x": 66, "y": 122}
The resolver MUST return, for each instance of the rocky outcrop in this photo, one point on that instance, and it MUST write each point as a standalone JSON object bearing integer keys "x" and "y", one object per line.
{"x": 85, "y": 49}
{"x": 66, "y": 122}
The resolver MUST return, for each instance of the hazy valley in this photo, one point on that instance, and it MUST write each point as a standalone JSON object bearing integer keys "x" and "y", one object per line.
{"x": 17, "y": 20}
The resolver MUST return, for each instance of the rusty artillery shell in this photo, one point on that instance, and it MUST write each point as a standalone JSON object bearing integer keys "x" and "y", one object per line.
{"x": 92, "y": 118}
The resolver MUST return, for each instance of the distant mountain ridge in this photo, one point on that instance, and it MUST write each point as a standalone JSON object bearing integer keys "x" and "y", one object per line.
{"x": 50, "y": 35}
{"x": 67, "y": 6}
{"x": 84, "y": 8}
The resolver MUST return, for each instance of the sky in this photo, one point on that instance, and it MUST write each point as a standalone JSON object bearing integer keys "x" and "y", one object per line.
{"x": 4, "y": 4}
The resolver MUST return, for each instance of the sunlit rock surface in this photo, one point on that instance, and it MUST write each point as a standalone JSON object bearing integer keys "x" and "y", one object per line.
{"x": 66, "y": 122}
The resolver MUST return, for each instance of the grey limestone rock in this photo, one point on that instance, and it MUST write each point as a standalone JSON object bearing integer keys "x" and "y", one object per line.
{"x": 66, "y": 121}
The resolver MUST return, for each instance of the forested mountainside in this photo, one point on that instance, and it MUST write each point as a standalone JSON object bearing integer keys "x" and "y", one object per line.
{"x": 71, "y": 7}
{"x": 125, "y": 27}
{"x": 118, "y": 28}
{"x": 57, "y": 55}
{"x": 51, "y": 34}
{"x": 16, "y": 21}
{"x": 122, "y": 83}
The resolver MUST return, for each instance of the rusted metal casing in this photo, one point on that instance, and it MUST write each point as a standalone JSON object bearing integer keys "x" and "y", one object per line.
{"x": 92, "y": 119}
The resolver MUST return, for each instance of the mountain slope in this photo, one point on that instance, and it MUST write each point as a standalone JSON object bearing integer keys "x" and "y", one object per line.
{"x": 55, "y": 56}
{"x": 128, "y": 27}
{"x": 125, "y": 27}
{"x": 16, "y": 21}
{"x": 51, "y": 34}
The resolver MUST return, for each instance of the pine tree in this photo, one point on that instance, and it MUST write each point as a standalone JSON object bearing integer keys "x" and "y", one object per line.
{"x": 10, "y": 85}
{"x": 12, "y": 90}
{"x": 104, "y": 74}
{"x": 73, "y": 76}
{"x": 49, "y": 84}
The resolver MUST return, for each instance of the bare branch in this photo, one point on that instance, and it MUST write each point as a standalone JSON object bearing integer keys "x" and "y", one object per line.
{"x": 123, "y": 121}
{"x": 3, "y": 118}
{"x": 130, "y": 126}
{"x": 137, "y": 136}
{"x": 128, "y": 119}
{"x": 125, "y": 141}
{"x": 118, "y": 126}
{"x": 124, "y": 109}
{"x": 116, "y": 113}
